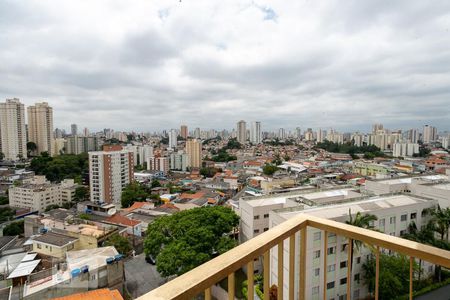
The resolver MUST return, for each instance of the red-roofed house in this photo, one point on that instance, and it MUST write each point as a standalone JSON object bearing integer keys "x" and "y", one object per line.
{"x": 133, "y": 226}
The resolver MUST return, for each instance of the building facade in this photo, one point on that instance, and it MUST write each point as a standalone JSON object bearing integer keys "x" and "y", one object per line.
{"x": 194, "y": 152}
{"x": 110, "y": 171}
{"x": 40, "y": 127}
{"x": 13, "y": 140}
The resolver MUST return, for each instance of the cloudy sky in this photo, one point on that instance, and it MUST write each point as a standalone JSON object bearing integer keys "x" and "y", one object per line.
{"x": 149, "y": 65}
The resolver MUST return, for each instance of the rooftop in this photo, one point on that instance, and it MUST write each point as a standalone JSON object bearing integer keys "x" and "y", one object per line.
{"x": 55, "y": 239}
{"x": 101, "y": 294}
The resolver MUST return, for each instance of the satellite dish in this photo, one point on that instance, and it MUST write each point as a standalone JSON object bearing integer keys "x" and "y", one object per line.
{"x": 111, "y": 211}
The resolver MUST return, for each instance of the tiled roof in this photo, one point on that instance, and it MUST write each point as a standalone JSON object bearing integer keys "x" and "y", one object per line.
{"x": 101, "y": 294}
{"x": 122, "y": 220}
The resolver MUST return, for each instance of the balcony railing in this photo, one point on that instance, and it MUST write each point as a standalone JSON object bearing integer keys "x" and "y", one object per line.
{"x": 200, "y": 279}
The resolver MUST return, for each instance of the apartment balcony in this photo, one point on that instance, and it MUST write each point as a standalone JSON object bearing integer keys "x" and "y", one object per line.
{"x": 292, "y": 233}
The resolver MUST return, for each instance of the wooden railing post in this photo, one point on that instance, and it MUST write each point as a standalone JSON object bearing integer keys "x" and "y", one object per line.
{"x": 411, "y": 277}
{"x": 250, "y": 286}
{"x": 349, "y": 269}
{"x": 231, "y": 286}
{"x": 291, "y": 266}
{"x": 325, "y": 267}
{"x": 377, "y": 272}
{"x": 266, "y": 274}
{"x": 302, "y": 283}
{"x": 208, "y": 294}
{"x": 280, "y": 270}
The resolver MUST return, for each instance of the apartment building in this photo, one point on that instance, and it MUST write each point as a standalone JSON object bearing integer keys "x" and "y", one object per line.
{"x": 179, "y": 161}
{"x": 40, "y": 127}
{"x": 80, "y": 144}
{"x": 110, "y": 171}
{"x": 394, "y": 214}
{"x": 38, "y": 193}
{"x": 194, "y": 152}
{"x": 158, "y": 164}
{"x": 13, "y": 139}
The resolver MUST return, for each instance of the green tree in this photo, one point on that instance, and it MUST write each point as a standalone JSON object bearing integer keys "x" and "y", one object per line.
{"x": 155, "y": 183}
{"x": 51, "y": 206}
{"x": 84, "y": 216}
{"x": 6, "y": 214}
{"x": 189, "y": 238}
{"x": 133, "y": 192}
{"x": 14, "y": 228}
{"x": 122, "y": 244}
{"x": 81, "y": 194}
{"x": 4, "y": 200}
{"x": 60, "y": 167}
{"x": 394, "y": 275}
{"x": 31, "y": 148}
{"x": 269, "y": 169}
{"x": 2, "y": 156}
{"x": 363, "y": 221}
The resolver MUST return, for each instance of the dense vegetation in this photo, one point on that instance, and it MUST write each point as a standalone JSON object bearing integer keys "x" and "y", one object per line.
{"x": 233, "y": 144}
{"x": 370, "y": 151}
{"x": 269, "y": 169}
{"x": 133, "y": 192}
{"x": 189, "y": 238}
{"x": 277, "y": 142}
{"x": 4, "y": 200}
{"x": 209, "y": 171}
{"x": 223, "y": 156}
{"x": 61, "y": 167}
{"x": 122, "y": 244}
{"x": 6, "y": 214}
{"x": 14, "y": 228}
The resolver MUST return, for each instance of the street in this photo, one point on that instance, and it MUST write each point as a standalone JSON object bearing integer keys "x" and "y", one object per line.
{"x": 141, "y": 277}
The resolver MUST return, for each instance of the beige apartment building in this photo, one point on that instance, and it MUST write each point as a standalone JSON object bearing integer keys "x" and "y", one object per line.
{"x": 40, "y": 127}
{"x": 194, "y": 152}
{"x": 38, "y": 193}
{"x": 13, "y": 140}
{"x": 110, "y": 171}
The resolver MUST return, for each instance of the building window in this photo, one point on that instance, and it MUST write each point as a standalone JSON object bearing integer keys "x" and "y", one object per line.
{"x": 256, "y": 217}
{"x": 356, "y": 277}
{"x": 266, "y": 216}
{"x": 316, "y": 272}
{"x": 392, "y": 220}
{"x": 317, "y": 236}
{"x": 316, "y": 254}
{"x": 343, "y": 281}
{"x": 343, "y": 297}
{"x": 266, "y": 228}
{"x": 38, "y": 246}
{"x": 381, "y": 222}
{"x": 402, "y": 232}
{"x": 356, "y": 294}
{"x": 331, "y": 250}
{"x": 358, "y": 260}
{"x": 256, "y": 231}
{"x": 330, "y": 285}
{"x": 413, "y": 216}
{"x": 315, "y": 290}
{"x": 343, "y": 247}
{"x": 343, "y": 264}
{"x": 331, "y": 268}
{"x": 403, "y": 218}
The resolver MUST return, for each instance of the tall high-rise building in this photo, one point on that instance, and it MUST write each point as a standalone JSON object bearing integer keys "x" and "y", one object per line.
{"x": 58, "y": 133}
{"x": 298, "y": 133}
{"x": 40, "y": 127}
{"x": 194, "y": 152}
{"x": 184, "y": 131}
{"x": 413, "y": 135}
{"x": 377, "y": 128}
{"x": 197, "y": 133}
{"x": 73, "y": 129}
{"x": 13, "y": 141}
{"x": 282, "y": 133}
{"x": 241, "y": 132}
{"x": 110, "y": 171}
{"x": 321, "y": 135}
{"x": 255, "y": 132}
{"x": 173, "y": 139}
{"x": 429, "y": 134}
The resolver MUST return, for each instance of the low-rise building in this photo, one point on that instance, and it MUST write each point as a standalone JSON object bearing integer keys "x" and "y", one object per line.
{"x": 38, "y": 193}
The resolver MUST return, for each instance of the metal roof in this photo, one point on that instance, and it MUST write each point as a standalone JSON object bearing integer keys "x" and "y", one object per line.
{"x": 24, "y": 269}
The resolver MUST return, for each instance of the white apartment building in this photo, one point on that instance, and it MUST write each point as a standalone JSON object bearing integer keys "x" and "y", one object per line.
{"x": 173, "y": 139}
{"x": 110, "y": 171}
{"x": 79, "y": 144}
{"x": 40, "y": 127}
{"x": 255, "y": 133}
{"x": 429, "y": 134}
{"x": 405, "y": 149}
{"x": 13, "y": 140}
{"x": 394, "y": 214}
{"x": 179, "y": 161}
{"x": 38, "y": 193}
{"x": 241, "y": 132}
{"x": 158, "y": 164}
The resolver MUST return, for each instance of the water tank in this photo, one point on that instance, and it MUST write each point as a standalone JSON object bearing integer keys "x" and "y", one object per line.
{"x": 75, "y": 272}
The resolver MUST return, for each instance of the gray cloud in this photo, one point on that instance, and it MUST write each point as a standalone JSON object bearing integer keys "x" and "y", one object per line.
{"x": 151, "y": 66}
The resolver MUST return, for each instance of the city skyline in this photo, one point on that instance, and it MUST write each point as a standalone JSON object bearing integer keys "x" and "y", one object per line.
{"x": 152, "y": 66}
